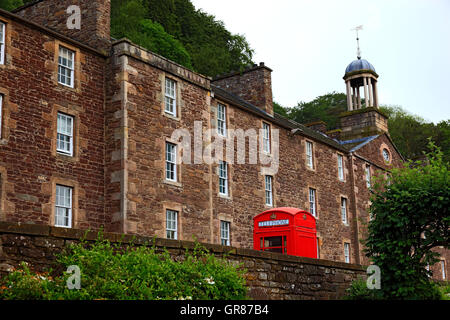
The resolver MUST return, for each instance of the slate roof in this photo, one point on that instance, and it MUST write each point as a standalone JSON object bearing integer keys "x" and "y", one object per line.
{"x": 276, "y": 118}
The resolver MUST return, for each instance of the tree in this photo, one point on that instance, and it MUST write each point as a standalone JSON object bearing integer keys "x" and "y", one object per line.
{"x": 128, "y": 19}
{"x": 11, "y": 4}
{"x": 325, "y": 108}
{"x": 212, "y": 48}
{"x": 410, "y": 217}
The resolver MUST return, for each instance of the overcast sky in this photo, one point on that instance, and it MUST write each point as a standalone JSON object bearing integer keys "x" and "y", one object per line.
{"x": 308, "y": 44}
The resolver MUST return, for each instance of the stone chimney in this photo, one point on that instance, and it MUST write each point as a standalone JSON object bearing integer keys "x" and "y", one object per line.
{"x": 253, "y": 85}
{"x": 320, "y": 126}
{"x": 94, "y": 19}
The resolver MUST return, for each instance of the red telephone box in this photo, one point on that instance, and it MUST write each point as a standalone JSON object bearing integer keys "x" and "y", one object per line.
{"x": 286, "y": 230}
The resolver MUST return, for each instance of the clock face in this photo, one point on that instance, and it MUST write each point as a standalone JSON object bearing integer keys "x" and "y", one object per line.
{"x": 386, "y": 155}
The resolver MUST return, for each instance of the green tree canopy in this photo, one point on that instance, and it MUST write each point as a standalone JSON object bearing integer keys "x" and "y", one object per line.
{"x": 128, "y": 19}
{"x": 11, "y": 4}
{"x": 410, "y": 217}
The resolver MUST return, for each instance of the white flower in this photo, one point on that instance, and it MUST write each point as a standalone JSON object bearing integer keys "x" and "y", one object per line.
{"x": 209, "y": 280}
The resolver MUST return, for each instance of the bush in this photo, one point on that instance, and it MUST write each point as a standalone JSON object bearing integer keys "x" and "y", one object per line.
{"x": 358, "y": 291}
{"x": 131, "y": 273}
{"x": 410, "y": 218}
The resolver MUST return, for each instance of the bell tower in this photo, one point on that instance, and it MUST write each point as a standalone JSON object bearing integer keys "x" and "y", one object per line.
{"x": 363, "y": 117}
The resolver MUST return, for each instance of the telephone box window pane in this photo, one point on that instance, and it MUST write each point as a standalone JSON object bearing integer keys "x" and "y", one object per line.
{"x": 274, "y": 244}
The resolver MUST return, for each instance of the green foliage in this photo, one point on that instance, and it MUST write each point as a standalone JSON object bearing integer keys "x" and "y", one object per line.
{"x": 324, "y": 108}
{"x": 11, "y": 4}
{"x": 445, "y": 291}
{"x": 128, "y": 19}
{"x": 125, "y": 273}
{"x": 358, "y": 291}
{"x": 213, "y": 49}
{"x": 410, "y": 218}
{"x": 278, "y": 108}
{"x": 416, "y": 130}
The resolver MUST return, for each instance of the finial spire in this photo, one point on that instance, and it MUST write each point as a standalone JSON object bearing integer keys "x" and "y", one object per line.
{"x": 358, "y": 52}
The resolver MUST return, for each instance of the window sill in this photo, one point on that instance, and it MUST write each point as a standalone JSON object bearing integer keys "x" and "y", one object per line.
{"x": 66, "y": 157}
{"x": 225, "y": 196}
{"x": 173, "y": 183}
{"x": 172, "y": 117}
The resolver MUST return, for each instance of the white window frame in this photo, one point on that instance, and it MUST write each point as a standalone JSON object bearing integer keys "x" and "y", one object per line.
{"x": 63, "y": 202}
{"x": 344, "y": 215}
{"x": 1, "y": 116}
{"x": 2, "y": 42}
{"x": 68, "y": 67}
{"x": 171, "y": 162}
{"x": 225, "y": 233}
{"x": 62, "y": 131}
{"x": 223, "y": 178}
{"x": 368, "y": 176}
{"x": 347, "y": 252}
{"x": 312, "y": 202}
{"x": 222, "y": 120}
{"x": 170, "y": 97}
{"x": 444, "y": 275}
{"x": 341, "y": 167}
{"x": 268, "y": 183}
{"x": 266, "y": 137}
{"x": 309, "y": 154}
{"x": 171, "y": 224}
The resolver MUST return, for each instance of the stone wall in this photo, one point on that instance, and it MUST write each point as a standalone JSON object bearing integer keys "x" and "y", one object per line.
{"x": 30, "y": 167}
{"x": 94, "y": 19}
{"x": 269, "y": 276}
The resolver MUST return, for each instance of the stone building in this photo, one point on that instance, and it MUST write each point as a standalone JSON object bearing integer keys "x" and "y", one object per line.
{"x": 93, "y": 131}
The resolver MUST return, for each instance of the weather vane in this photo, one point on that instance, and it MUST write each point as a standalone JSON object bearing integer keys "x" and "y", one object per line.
{"x": 358, "y": 28}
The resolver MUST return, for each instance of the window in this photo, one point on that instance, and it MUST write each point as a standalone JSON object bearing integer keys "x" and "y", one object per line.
{"x": 444, "y": 277}
{"x": 171, "y": 162}
{"x": 223, "y": 178}
{"x": 368, "y": 183}
{"x": 347, "y": 252}
{"x": 225, "y": 233}
{"x": 2, "y": 42}
{"x": 309, "y": 154}
{"x": 386, "y": 155}
{"x": 172, "y": 224}
{"x": 269, "y": 190}
{"x": 1, "y": 115}
{"x": 64, "y": 138}
{"x": 266, "y": 137}
{"x": 170, "y": 97}
{"x": 341, "y": 167}
{"x": 274, "y": 244}
{"x": 222, "y": 120}
{"x": 63, "y": 209}
{"x": 344, "y": 210}
{"x": 66, "y": 67}
{"x": 312, "y": 202}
